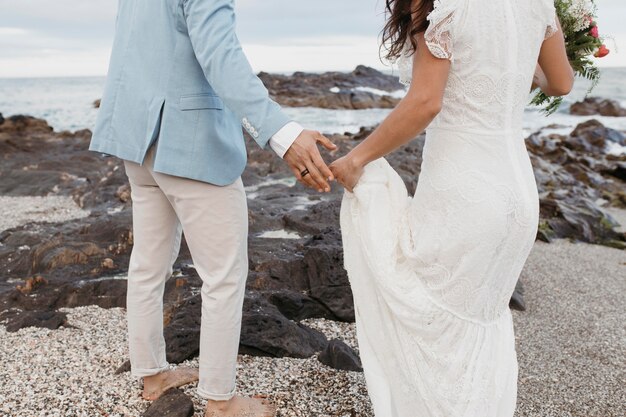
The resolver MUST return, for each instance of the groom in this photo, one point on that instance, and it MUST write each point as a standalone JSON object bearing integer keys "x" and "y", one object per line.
{"x": 178, "y": 91}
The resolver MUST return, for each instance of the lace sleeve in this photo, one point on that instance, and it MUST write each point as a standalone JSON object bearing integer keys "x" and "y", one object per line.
{"x": 438, "y": 38}
{"x": 405, "y": 66}
{"x": 552, "y": 26}
{"x": 439, "y": 35}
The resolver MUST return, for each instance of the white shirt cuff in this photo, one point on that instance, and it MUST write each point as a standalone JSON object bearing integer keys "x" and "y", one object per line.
{"x": 285, "y": 137}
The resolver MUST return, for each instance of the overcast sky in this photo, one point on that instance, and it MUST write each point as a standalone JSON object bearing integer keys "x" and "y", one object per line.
{"x": 73, "y": 37}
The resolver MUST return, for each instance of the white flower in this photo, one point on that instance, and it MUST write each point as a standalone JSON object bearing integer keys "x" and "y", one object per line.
{"x": 581, "y": 10}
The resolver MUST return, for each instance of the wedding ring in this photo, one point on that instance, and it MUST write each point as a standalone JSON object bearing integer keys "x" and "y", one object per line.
{"x": 304, "y": 173}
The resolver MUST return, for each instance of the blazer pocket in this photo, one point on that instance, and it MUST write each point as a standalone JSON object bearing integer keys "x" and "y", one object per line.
{"x": 200, "y": 102}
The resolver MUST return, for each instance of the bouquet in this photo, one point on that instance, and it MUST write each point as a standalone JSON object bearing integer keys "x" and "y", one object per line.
{"x": 582, "y": 42}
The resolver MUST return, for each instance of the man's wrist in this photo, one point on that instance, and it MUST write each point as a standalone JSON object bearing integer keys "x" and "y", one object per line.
{"x": 285, "y": 137}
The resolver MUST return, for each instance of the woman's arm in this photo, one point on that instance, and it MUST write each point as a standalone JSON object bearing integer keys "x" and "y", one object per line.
{"x": 554, "y": 75}
{"x": 412, "y": 115}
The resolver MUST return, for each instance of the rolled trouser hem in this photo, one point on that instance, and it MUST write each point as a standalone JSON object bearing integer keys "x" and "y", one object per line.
{"x": 215, "y": 397}
{"x": 142, "y": 373}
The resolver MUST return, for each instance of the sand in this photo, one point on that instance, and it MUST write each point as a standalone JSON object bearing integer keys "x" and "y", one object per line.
{"x": 571, "y": 346}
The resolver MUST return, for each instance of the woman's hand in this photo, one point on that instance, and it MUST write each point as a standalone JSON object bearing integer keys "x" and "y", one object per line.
{"x": 539, "y": 79}
{"x": 347, "y": 171}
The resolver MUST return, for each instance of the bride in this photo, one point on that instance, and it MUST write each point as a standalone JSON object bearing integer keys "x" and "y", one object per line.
{"x": 432, "y": 275}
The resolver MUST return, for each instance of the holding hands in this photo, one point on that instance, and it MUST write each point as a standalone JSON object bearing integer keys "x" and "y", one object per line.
{"x": 307, "y": 165}
{"x": 347, "y": 171}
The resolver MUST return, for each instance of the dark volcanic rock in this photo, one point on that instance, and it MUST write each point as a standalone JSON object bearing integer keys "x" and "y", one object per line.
{"x": 517, "y": 299}
{"x": 182, "y": 333}
{"x": 595, "y": 105}
{"x": 340, "y": 356}
{"x": 579, "y": 219}
{"x": 44, "y": 267}
{"x": 592, "y": 136}
{"x": 266, "y": 332}
{"x": 15, "y": 321}
{"x": 1, "y": 119}
{"x": 173, "y": 403}
{"x": 123, "y": 368}
{"x": 333, "y": 90}
{"x": 573, "y": 174}
{"x": 20, "y": 125}
{"x": 297, "y": 306}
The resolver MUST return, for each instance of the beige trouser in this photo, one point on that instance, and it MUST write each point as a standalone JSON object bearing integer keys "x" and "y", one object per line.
{"x": 215, "y": 222}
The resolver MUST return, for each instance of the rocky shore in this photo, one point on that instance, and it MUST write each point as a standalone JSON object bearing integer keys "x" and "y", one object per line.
{"x": 57, "y": 256}
{"x": 363, "y": 88}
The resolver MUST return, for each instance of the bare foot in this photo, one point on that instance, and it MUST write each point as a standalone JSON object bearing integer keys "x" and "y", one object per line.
{"x": 240, "y": 407}
{"x": 154, "y": 386}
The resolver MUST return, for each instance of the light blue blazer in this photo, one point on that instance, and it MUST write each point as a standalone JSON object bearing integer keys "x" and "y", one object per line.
{"x": 178, "y": 77}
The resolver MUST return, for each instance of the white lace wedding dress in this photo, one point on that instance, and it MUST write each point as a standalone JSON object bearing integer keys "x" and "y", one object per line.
{"x": 432, "y": 275}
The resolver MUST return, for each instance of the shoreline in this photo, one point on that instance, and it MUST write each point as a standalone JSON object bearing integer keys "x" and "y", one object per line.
{"x": 66, "y": 237}
{"x": 570, "y": 343}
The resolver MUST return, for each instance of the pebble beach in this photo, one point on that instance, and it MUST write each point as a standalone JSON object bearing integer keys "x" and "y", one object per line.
{"x": 571, "y": 345}
{"x": 66, "y": 237}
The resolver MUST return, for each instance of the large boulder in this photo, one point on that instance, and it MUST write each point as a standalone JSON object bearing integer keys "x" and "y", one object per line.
{"x": 594, "y": 105}
{"x": 266, "y": 332}
{"x": 340, "y": 356}
{"x": 363, "y": 88}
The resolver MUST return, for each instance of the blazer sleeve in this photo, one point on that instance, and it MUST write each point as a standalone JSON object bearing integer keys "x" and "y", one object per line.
{"x": 211, "y": 29}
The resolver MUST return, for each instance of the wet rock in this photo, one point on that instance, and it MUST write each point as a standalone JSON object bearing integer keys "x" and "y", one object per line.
{"x": 182, "y": 333}
{"x": 1, "y": 119}
{"x": 31, "y": 283}
{"x": 108, "y": 263}
{"x": 340, "y": 356}
{"x": 618, "y": 170}
{"x": 266, "y": 332}
{"x": 573, "y": 175}
{"x": 83, "y": 262}
{"x": 16, "y": 320}
{"x": 123, "y": 368}
{"x": 173, "y": 403}
{"x": 123, "y": 193}
{"x": 595, "y": 105}
{"x": 57, "y": 253}
{"x": 592, "y": 137}
{"x": 329, "y": 281}
{"x": 296, "y": 306}
{"x": 578, "y": 219}
{"x": 20, "y": 125}
{"x": 334, "y": 90}
{"x": 517, "y": 299}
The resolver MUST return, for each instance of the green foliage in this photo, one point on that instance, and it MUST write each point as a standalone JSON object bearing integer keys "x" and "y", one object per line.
{"x": 580, "y": 46}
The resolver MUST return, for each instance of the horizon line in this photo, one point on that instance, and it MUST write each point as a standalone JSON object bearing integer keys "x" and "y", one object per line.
{"x": 384, "y": 70}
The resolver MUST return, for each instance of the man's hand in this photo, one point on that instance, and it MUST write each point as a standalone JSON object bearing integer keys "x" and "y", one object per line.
{"x": 307, "y": 164}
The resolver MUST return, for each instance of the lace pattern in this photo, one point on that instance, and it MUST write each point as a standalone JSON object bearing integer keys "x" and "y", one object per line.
{"x": 432, "y": 275}
{"x": 405, "y": 66}
{"x": 438, "y": 36}
{"x": 552, "y": 29}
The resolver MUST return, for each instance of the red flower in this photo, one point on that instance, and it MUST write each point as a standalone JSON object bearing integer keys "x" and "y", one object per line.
{"x": 594, "y": 32}
{"x": 601, "y": 52}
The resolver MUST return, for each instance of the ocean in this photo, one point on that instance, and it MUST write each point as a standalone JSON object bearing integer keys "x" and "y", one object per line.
{"x": 67, "y": 104}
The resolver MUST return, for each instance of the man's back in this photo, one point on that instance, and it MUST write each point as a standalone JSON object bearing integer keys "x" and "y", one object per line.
{"x": 178, "y": 75}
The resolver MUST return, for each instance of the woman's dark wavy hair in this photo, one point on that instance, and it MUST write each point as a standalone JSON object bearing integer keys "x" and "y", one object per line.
{"x": 405, "y": 19}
